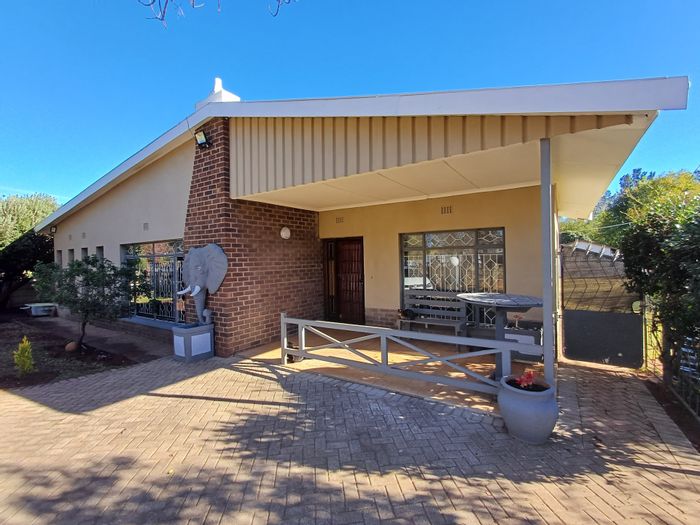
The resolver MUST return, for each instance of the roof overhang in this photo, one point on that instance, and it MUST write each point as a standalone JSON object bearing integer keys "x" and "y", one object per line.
{"x": 614, "y": 97}
{"x": 583, "y": 165}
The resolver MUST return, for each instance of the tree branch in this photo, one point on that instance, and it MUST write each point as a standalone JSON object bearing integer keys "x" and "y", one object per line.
{"x": 160, "y": 7}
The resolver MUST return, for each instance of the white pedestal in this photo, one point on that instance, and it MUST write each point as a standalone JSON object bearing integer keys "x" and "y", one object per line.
{"x": 191, "y": 343}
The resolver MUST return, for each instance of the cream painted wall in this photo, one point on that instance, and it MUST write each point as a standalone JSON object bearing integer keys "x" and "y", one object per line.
{"x": 516, "y": 210}
{"x": 157, "y": 195}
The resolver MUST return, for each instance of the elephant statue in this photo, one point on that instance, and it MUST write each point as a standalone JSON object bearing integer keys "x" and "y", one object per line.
{"x": 203, "y": 271}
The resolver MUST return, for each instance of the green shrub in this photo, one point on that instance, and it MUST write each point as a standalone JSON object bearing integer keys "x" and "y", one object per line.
{"x": 23, "y": 357}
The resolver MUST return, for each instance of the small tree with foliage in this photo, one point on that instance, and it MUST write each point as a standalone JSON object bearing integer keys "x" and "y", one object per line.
{"x": 24, "y": 361}
{"x": 92, "y": 288}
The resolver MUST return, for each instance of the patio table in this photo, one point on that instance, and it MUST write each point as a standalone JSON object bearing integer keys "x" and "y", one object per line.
{"x": 502, "y": 303}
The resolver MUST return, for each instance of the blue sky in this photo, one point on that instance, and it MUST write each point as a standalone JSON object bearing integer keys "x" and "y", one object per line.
{"x": 87, "y": 83}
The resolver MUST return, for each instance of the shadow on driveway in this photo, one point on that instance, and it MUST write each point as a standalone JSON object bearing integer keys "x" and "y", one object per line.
{"x": 237, "y": 441}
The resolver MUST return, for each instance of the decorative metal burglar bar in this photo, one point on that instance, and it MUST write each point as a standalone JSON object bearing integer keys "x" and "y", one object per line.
{"x": 160, "y": 263}
{"x": 455, "y": 261}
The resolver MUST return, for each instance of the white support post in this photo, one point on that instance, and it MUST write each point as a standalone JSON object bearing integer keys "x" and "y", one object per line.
{"x": 283, "y": 337}
{"x": 547, "y": 212}
{"x": 302, "y": 340}
{"x": 505, "y": 363}
{"x": 384, "y": 350}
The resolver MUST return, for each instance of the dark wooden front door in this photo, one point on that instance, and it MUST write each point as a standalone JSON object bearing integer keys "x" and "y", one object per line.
{"x": 345, "y": 281}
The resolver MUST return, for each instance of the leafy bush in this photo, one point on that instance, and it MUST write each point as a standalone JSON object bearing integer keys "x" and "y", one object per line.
{"x": 92, "y": 288}
{"x": 661, "y": 246}
{"x": 24, "y": 361}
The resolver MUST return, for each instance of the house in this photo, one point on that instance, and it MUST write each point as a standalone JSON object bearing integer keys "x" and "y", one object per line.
{"x": 331, "y": 208}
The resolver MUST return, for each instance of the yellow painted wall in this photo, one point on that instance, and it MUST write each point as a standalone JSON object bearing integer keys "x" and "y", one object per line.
{"x": 516, "y": 210}
{"x": 157, "y": 195}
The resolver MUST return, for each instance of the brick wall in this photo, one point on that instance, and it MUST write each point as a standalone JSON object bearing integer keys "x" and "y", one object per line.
{"x": 267, "y": 274}
{"x": 381, "y": 317}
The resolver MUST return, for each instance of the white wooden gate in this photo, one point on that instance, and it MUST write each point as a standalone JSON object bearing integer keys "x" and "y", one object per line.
{"x": 406, "y": 340}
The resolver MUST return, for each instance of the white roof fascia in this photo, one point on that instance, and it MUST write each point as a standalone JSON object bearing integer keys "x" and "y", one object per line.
{"x": 617, "y": 96}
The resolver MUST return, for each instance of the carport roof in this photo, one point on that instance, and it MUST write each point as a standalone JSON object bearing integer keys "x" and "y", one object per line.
{"x": 611, "y": 97}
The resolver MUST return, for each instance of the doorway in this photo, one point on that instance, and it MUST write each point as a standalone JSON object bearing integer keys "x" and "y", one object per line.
{"x": 600, "y": 324}
{"x": 344, "y": 280}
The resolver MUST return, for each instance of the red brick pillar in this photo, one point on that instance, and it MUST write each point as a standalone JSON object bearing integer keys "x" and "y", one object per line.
{"x": 208, "y": 220}
{"x": 267, "y": 274}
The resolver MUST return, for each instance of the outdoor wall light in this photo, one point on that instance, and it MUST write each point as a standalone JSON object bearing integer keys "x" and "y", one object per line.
{"x": 285, "y": 233}
{"x": 201, "y": 138}
{"x": 53, "y": 230}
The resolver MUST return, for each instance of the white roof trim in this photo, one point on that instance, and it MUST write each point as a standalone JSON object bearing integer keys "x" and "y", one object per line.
{"x": 620, "y": 96}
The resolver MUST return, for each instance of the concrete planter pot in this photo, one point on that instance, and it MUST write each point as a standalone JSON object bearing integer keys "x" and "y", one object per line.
{"x": 529, "y": 416}
{"x": 193, "y": 342}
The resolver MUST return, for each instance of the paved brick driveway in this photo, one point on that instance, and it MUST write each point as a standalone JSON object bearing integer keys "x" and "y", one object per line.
{"x": 229, "y": 441}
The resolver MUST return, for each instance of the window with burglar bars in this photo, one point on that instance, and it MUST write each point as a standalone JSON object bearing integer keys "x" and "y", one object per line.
{"x": 160, "y": 263}
{"x": 454, "y": 261}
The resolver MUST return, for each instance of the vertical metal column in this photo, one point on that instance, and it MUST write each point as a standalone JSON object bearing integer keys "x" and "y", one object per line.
{"x": 283, "y": 338}
{"x": 547, "y": 212}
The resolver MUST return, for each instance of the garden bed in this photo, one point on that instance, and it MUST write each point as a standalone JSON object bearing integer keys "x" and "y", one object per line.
{"x": 51, "y": 361}
{"x": 680, "y": 415}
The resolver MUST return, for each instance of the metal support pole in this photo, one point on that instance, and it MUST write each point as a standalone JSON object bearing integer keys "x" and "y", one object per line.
{"x": 505, "y": 363}
{"x": 302, "y": 340}
{"x": 547, "y": 212}
{"x": 385, "y": 353}
{"x": 283, "y": 336}
{"x": 500, "y": 329}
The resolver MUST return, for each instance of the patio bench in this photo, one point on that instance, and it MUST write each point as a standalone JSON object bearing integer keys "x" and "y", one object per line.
{"x": 434, "y": 308}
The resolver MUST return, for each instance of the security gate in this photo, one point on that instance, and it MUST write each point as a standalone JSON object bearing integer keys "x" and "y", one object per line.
{"x": 599, "y": 322}
{"x": 160, "y": 264}
{"x": 344, "y": 280}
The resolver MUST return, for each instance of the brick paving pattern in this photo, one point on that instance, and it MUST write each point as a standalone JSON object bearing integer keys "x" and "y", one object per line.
{"x": 234, "y": 441}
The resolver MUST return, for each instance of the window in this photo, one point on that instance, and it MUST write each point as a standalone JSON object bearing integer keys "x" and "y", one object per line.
{"x": 71, "y": 255}
{"x": 59, "y": 258}
{"x": 100, "y": 252}
{"x": 83, "y": 253}
{"x": 160, "y": 263}
{"x": 454, "y": 261}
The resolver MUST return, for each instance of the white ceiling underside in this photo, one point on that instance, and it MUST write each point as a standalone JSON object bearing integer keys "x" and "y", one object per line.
{"x": 583, "y": 164}
{"x": 514, "y": 166}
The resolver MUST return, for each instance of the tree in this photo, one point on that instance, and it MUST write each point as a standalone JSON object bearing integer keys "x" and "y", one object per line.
{"x": 92, "y": 288}
{"x": 661, "y": 247}
{"x": 609, "y": 218}
{"x": 20, "y": 213}
{"x": 571, "y": 230}
{"x": 18, "y": 259}
{"x": 636, "y": 189}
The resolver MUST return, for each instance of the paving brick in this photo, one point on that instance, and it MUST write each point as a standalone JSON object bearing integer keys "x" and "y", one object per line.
{"x": 236, "y": 441}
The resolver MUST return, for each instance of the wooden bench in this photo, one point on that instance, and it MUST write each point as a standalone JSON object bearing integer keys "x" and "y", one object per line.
{"x": 433, "y": 308}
